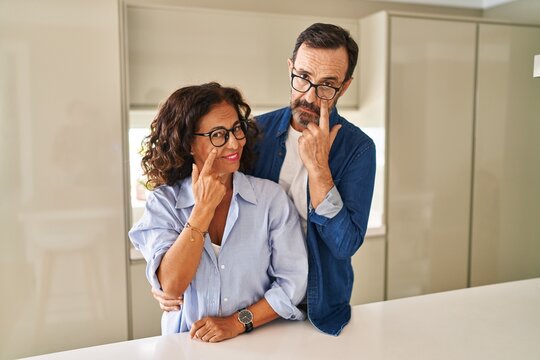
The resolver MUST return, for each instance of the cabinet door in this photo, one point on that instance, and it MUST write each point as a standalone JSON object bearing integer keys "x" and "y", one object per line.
{"x": 368, "y": 264}
{"x": 145, "y": 311}
{"x": 176, "y": 46}
{"x": 506, "y": 206}
{"x": 63, "y": 240}
{"x": 430, "y": 132}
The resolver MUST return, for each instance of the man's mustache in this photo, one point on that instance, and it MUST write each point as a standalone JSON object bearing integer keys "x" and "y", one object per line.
{"x": 309, "y": 106}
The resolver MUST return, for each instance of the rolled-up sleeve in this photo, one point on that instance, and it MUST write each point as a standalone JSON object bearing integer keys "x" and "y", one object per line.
{"x": 289, "y": 266}
{"x": 344, "y": 232}
{"x": 155, "y": 232}
{"x": 329, "y": 207}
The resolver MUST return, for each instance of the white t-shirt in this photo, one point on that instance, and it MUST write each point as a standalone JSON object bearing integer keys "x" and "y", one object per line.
{"x": 293, "y": 176}
{"x": 216, "y": 249}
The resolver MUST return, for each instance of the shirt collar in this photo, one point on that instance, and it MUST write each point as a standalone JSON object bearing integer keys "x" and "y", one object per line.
{"x": 241, "y": 186}
{"x": 285, "y": 120}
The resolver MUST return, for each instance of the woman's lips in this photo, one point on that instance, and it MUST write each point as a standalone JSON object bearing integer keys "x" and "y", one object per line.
{"x": 232, "y": 157}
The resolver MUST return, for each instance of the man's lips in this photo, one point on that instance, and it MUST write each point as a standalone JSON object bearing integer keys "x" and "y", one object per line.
{"x": 309, "y": 110}
{"x": 232, "y": 157}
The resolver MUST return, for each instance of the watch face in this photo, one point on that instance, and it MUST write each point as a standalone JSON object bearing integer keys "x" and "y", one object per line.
{"x": 245, "y": 316}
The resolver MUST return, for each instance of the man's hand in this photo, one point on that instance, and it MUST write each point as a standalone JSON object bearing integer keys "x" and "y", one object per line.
{"x": 167, "y": 302}
{"x": 314, "y": 148}
{"x": 215, "y": 329}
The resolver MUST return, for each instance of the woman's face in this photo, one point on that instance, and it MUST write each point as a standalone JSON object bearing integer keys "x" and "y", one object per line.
{"x": 222, "y": 115}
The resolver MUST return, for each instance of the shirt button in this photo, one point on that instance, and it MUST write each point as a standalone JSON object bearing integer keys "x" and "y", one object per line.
{"x": 226, "y": 299}
{"x": 222, "y": 266}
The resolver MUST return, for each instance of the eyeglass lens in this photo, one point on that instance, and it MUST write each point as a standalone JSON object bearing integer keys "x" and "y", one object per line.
{"x": 219, "y": 137}
{"x": 303, "y": 85}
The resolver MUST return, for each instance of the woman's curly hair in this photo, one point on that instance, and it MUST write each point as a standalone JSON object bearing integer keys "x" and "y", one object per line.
{"x": 167, "y": 150}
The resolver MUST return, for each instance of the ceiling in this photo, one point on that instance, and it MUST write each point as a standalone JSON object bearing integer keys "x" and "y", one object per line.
{"x": 471, "y": 4}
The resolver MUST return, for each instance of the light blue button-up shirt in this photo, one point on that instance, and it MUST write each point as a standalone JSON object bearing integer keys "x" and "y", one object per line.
{"x": 263, "y": 252}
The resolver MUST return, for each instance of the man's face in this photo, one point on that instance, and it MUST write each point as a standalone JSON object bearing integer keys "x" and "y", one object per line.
{"x": 320, "y": 66}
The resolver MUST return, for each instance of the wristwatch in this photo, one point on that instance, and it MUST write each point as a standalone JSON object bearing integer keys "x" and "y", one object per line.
{"x": 246, "y": 318}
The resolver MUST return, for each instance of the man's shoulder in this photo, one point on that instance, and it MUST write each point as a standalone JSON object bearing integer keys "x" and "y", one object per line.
{"x": 270, "y": 116}
{"x": 352, "y": 134}
{"x": 264, "y": 186}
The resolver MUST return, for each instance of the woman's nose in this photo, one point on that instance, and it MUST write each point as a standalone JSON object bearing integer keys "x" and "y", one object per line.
{"x": 232, "y": 143}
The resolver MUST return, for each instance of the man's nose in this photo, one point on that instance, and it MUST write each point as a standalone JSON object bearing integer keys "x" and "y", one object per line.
{"x": 311, "y": 95}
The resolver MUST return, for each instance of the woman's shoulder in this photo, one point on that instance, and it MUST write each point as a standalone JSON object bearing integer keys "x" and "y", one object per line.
{"x": 260, "y": 184}
{"x": 167, "y": 193}
{"x": 262, "y": 190}
{"x": 271, "y": 197}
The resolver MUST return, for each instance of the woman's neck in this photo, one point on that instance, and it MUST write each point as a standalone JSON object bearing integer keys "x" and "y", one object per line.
{"x": 227, "y": 180}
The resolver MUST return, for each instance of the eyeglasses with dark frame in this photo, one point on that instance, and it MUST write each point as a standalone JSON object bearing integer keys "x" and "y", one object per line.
{"x": 325, "y": 92}
{"x": 220, "y": 135}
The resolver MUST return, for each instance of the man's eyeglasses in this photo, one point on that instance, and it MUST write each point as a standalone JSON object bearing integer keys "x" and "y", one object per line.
{"x": 325, "y": 92}
{"x": 220, "y": 136}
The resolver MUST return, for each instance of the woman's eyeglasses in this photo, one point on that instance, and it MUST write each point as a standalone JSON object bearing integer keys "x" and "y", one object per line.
{"x": 220, "y": 136}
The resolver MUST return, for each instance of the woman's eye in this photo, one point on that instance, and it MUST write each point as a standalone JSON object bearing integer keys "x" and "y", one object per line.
{"x": 218, "y": 134}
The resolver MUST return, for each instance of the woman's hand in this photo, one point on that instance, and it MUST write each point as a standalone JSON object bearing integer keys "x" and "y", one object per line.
{"x": 208, "y": 189}
{"x": 167, "y": 302}
{"x": 215, "y": 329}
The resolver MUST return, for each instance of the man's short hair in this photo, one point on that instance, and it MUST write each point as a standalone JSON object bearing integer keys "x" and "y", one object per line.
{"x": 329, "y": 36}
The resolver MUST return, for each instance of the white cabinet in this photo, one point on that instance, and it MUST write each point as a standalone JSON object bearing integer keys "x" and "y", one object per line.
{"x": 368, "y": 265}
{"x": 457, "y": 98}
{"x": 63, "y": 240}
{"x": 145, "y": 311}
{"x": 177, "y": 46}
{"x": 506, "y": 226}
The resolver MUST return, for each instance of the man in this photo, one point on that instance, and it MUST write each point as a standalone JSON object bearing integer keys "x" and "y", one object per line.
{"x": 326, "y": 165}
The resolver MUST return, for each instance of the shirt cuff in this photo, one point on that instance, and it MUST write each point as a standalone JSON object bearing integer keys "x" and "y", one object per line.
{"x": 151, "y": 269}
{"x": 282, "y": 305}
{"x": 331, "y": 204}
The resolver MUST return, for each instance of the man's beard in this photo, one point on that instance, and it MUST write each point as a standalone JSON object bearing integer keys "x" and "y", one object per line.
{"x": 302, "y": 117}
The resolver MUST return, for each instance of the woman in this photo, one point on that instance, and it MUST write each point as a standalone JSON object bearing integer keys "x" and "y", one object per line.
{"x": 229, "y": 243}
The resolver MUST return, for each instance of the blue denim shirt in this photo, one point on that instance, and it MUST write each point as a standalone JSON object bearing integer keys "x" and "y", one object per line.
{"x": 336, "y": 229}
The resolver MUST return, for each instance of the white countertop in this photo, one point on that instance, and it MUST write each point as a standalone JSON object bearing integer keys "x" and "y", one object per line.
{"x": 490, "y": 322}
